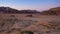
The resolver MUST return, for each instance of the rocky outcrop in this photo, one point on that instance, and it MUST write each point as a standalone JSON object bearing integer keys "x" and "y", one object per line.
{"x": 52, "y": 11}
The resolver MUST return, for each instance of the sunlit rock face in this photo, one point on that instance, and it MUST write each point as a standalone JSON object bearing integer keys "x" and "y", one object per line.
{"x": 52, "y": 11}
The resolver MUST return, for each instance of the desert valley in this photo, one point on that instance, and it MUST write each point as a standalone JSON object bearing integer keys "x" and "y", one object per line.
{"x": 14, "y": 21}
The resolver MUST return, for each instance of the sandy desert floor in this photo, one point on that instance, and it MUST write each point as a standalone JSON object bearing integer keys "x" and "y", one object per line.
{"x": 33, "y": 23}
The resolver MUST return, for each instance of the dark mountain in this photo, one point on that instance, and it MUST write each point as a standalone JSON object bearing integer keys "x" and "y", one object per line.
{"x": 52, "y": 11}
{"x": 7, "y": 10}
{"x": 11, "y": 10}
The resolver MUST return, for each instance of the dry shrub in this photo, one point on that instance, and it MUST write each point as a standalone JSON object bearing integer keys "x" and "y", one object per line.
{"x": 29, "y": 16}
{"x": 27, "y": 32}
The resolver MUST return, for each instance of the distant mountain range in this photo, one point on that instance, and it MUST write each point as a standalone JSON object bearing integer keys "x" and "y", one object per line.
{"x": 52, "y": 11}
{"x": 11, "y": 10}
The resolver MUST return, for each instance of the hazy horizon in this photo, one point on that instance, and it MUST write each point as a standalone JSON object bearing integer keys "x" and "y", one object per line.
{"x": 30, "y": 4}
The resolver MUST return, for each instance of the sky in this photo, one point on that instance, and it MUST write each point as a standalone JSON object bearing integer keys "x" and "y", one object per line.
{"x": 30, "y": 4}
